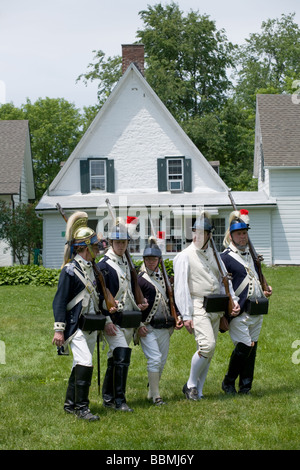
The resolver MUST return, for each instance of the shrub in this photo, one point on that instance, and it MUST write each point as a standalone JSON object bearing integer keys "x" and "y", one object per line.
{"x": 31, "y": 274}
{"x": 40, "y": 276}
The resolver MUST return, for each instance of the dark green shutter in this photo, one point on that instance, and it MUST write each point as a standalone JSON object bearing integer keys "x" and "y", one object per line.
{"x": 85, "y": 176}
{"x": 110, "y": 176}
{"x": 187, "y": 175}
{"x": 162, "y": 174}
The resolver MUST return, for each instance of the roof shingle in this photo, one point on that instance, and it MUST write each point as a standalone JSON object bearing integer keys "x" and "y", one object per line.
{"x": 280, "y": 129}
{"x": 13, "y": 136}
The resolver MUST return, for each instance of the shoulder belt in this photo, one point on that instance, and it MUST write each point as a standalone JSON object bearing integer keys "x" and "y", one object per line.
{"x": 87, "y": 287}
{"x": 160, "y": 293}
{"x": 249, "y": 273}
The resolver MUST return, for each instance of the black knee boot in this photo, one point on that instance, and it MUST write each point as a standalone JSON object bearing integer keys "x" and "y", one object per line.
{"x": 83, "y": 378}
{"x": 69, "y": 405}
{"x": 108, "y": 385}
{"x": 121, "y": 365}
{"x": 247, "y": 371}
{"x": 236, "y": 363}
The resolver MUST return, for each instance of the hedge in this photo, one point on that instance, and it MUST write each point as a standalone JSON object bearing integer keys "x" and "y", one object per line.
{"x": 29, "y": 274}
{"x": 40, "y": 276}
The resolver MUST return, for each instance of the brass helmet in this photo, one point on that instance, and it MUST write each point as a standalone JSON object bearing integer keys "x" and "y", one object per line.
{"x": 78, "y": 234}
{"x": 84, "y": 236}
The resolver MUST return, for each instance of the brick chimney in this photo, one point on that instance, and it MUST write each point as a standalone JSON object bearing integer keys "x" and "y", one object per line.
{"x": 133, "y": 53}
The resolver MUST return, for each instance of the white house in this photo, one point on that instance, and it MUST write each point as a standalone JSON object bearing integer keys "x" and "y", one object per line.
{"x": 136, "y": 155}
{"x": 16, "y": 176}
{"x": 277, "y": 167}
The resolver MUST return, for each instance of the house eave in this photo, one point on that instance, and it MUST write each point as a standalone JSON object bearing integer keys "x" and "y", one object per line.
{"x": 283, "y": 167}
{"x": 90, "y": 202}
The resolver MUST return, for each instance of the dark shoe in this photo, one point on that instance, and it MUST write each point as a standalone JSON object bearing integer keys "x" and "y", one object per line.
{"x": 247, "y": 372}
{"x": 190, "y": 393}
{"x": 83, "y": 377}
{"x": 244, "y": 392}
{"x": 121, "y": 364}
{"x": 237, "y": 361}
{"x": 228, "y": 388}
{"x": 123, "y": 407}
{"x": 86, "y": 414}
{"x": 159, "y": 401}
{"x": 108, "y": 404}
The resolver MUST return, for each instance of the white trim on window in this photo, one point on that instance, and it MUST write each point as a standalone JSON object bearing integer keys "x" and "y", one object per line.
{"x": 98, "y": 175}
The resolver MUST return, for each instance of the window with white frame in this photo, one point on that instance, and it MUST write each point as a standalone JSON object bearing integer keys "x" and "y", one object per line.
{"x": 98, "y": 175}
{"x": 173, "y": 234}
{"x": 175, "y": 174}
{"x": 219, "y": 233}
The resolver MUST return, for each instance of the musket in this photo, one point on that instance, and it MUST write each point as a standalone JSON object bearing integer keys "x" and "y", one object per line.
{"x": 108, "y": 297}
{"x": 226, "y": 277}
{"x": 169, "y": 288}
{"x": 255, "y": 256}
{"x": 138, "y": 294}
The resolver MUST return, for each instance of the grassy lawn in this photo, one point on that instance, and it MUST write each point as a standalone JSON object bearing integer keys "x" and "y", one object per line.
{"x": 33, "y": 382}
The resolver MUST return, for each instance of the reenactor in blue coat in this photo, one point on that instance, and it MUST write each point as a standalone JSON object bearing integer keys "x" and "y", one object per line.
{"x": 157, "y": 322}
{"x": 119, "y": 328}
{"x": 245, "y": 328}
{"x": 77, "y": 294}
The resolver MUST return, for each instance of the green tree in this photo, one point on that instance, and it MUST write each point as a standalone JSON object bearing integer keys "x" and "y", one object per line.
{"x": 21, "y": 229}
{"x": 187, "y": 60}
{"x": 269, "y": 59}
{"x": 105, "y": 71}
{"x": 55, "y": 127}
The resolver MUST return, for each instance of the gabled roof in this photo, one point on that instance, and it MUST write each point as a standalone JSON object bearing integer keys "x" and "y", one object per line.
{"x": 14, "y": 137}
{"x": 279, "y": 119}
{"x": 100, "y": 117}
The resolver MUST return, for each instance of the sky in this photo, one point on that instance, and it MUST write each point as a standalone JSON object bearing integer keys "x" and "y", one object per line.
{"x": 46, "y": 44}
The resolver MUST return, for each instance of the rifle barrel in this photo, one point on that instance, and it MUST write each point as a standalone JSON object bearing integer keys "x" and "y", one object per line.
{"x": 257, "y": 259}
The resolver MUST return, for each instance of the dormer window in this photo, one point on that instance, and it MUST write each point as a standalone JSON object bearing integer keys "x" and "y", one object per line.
{"x": 98, "y": 175}
{"x": 175, "y": 174}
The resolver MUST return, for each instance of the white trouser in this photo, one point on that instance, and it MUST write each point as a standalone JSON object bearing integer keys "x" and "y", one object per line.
{"x": 82, "y": 346}
{"x": 245, "y": 328}
{"x": 206, "y": 327}
{"x": 155, "y": 346}
{"x": 121, "y": 339}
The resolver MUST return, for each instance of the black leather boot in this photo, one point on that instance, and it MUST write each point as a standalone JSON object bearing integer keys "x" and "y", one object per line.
{"x": 237, "y": 360}
{"x": 247, "y": 372}
{"x": 108, "y": 385}
{"x": 69, "y": 405}
{"x": 83, "y": 378}
{"x": 121, "y": 364}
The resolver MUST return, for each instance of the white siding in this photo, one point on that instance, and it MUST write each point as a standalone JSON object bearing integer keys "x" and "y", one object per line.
{"x": 260, "y": 232}
{"x": 53, "y": 240}
{"x": 6, "y": 258}
{"x": 285, "y": 186}
{"x": 285, "y": 183}
{"x": 286, "y": 232}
